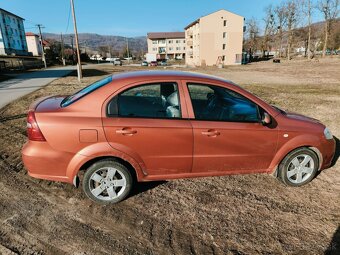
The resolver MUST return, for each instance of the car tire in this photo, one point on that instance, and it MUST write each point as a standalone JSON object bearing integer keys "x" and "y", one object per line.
{"x": 299, "y": 167}
{"x": 107, "y": 182}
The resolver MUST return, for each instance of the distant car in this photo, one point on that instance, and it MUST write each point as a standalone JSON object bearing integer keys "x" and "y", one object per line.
{"x": 117, "y": 62}
{"x": 153, "y": 63}
{"x": 144, "y": 63}
{"x": 148, "y": 126}
{"x": 164, "y": 63}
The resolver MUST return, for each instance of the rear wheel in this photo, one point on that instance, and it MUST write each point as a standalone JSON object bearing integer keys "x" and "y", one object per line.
{"x": 298, "y": 167}
{"x": 107, "y": 182}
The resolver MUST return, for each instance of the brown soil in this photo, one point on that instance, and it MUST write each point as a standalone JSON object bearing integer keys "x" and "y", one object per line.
{"x": 244, "y": 214}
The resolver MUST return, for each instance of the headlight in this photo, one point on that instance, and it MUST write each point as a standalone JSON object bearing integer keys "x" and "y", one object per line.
{"x": 328, "y": 134}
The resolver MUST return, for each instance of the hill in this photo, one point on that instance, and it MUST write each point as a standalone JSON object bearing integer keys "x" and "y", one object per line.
{"x": 94, "y": 42}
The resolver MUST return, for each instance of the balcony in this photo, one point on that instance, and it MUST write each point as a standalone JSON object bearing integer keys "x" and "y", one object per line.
{"x": 189, "y": 33}
{"x": 190, "y": 43}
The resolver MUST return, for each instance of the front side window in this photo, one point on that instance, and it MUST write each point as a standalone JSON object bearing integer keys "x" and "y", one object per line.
{"x": 160, "y": 100}
{"x": 220, "y": 104}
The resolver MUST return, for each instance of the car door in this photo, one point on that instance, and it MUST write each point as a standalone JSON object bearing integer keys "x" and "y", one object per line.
{"x": 228, "y": 136}
{"x": 147, "y": 121}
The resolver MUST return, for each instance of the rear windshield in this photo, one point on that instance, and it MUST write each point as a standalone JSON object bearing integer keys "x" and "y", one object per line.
{"x": 85, "y": 91}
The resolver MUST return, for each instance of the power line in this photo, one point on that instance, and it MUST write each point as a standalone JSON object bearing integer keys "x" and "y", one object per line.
{"x": 68, "y": 19}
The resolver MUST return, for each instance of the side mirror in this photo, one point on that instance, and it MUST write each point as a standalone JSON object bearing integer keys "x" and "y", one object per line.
{"x": 266, "y": 119}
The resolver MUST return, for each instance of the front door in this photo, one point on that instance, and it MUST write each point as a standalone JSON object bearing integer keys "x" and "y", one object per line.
{"x": 228, "y": 136}
{"x": 145, "y": 121}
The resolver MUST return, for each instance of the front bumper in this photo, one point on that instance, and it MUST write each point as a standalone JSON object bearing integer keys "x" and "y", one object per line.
{"x": 327, "y": 150}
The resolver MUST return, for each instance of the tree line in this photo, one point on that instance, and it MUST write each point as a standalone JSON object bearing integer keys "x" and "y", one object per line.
{"x": 291, "y": 21}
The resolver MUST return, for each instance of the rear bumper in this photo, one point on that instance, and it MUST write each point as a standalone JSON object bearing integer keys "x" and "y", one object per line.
{"x": 43, "y": 162}
{"x": 327, "y": 149}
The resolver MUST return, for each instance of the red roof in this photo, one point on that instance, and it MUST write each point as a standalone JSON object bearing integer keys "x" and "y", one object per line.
{"x": 166, "y": 35}
{"x": 30, "y": 34}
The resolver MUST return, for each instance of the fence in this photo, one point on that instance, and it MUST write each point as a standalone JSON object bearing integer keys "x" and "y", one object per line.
{"x": 19, "y": 63}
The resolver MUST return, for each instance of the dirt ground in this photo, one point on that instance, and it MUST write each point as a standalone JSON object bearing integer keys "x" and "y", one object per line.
{"x": 241, "y": 214}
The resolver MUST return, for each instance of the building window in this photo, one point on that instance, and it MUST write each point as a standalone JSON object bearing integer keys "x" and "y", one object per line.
{"x": 223, "y": 58}
{"x": 170, "y": 48}
{"x": 154, "y": 42}
{"x": 178, "y": 41}
{"x": 224, "y": 23}
{"x": 154, "y": 49}
{"x": 224, "y": 34}
{"x": 178, "y": 48}
{"x": 183, "y": 48}
{"x": 170, "y": 41}
{"x": 162, "y": 41}
{"x": 223, "y": 46}
{"x": 183, "y": 41}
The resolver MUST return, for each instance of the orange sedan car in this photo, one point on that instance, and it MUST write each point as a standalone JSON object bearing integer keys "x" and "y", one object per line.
{"x": 160, "y": 125}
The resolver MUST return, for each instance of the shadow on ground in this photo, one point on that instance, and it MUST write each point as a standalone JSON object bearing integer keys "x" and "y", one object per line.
{"x": 141, "y": 187}
{"x": 90, "y": 73}
{"x": 334, "y": 246}
{"x": 337, "y": 151}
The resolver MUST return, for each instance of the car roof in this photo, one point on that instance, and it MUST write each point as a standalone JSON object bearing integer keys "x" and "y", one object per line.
{"x": 155, "y": 74}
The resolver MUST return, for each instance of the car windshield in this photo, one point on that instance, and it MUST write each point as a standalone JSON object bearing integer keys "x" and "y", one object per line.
{"x": 85, "y": 91}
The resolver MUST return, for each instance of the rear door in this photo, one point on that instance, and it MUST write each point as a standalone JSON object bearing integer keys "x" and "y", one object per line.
{"x": 228, "y": 136}
{"x": 146, "y": 121}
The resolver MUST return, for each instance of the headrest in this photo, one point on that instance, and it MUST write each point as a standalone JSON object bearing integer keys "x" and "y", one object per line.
{"x": 173, "y": 99}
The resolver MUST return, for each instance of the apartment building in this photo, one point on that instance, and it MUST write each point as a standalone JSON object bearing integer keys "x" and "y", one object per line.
{"x": 167, "y": 45}
{"x": 12, "y": 34}
{"x": 215, "y": 39}
{"x": 33, "y": 44}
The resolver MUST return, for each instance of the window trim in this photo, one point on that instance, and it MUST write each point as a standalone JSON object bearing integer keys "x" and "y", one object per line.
{"x": 259, "y": 108}
{"x": 132, "y": 86}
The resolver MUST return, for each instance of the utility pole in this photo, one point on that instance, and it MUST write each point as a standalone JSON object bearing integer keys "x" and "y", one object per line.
{"x": 80, "y": 75}
{"x": 42, "y": 45}
{"x": 127, "y": 49}
{"x": 72, "y": 49}
{"x": 309, "y": 28}
{"x": 62, "y": 49}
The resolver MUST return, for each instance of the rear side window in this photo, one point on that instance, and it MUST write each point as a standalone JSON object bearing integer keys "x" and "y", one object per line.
{"x": 85, "y": 91}
{"x": 220, "y": 104}
{"x": 160, "y": 100}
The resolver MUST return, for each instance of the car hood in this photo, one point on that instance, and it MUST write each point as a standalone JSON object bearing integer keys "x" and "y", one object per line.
{"x": 297, "y": 116}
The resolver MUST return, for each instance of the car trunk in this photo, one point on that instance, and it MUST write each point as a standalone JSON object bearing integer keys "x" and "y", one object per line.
{"x": 47, "y": 104}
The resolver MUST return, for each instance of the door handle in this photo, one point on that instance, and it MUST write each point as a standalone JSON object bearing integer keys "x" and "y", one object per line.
{"x": 211, "y": 133}
{"x": 126, "y": 131}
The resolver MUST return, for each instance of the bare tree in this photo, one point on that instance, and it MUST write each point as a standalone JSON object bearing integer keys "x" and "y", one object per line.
{"x": 330, "y": 10}
{"x": 269, "y": 21}
{"x": 253, "y": 34}
{"x": 307, "y": 10}
{"x": 280, "y": 12}
{"x": 292, "y": 19}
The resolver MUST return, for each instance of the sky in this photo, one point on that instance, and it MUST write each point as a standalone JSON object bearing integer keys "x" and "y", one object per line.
{"x": 126, "y": 17}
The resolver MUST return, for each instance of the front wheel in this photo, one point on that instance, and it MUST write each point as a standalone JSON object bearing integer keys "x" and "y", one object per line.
{"x": 107, "y": 182}
{"x": 299, "y": 167}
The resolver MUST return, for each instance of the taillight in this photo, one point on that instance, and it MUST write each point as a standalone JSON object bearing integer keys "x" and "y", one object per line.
{"x": 33, "y": 130}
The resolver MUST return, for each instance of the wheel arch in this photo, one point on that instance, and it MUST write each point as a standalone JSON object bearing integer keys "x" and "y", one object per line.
{"x": 83, "y": 159}
{"x": 127, "y": 164}
{"x": 304, "y": 141}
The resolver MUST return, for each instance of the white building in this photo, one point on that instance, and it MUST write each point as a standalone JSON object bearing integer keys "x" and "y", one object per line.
{"x": 215, "y": 39}
{"x": 33, "y": 44}
{"x": 12, "y": 34}
{"x": 167, "y": 45}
